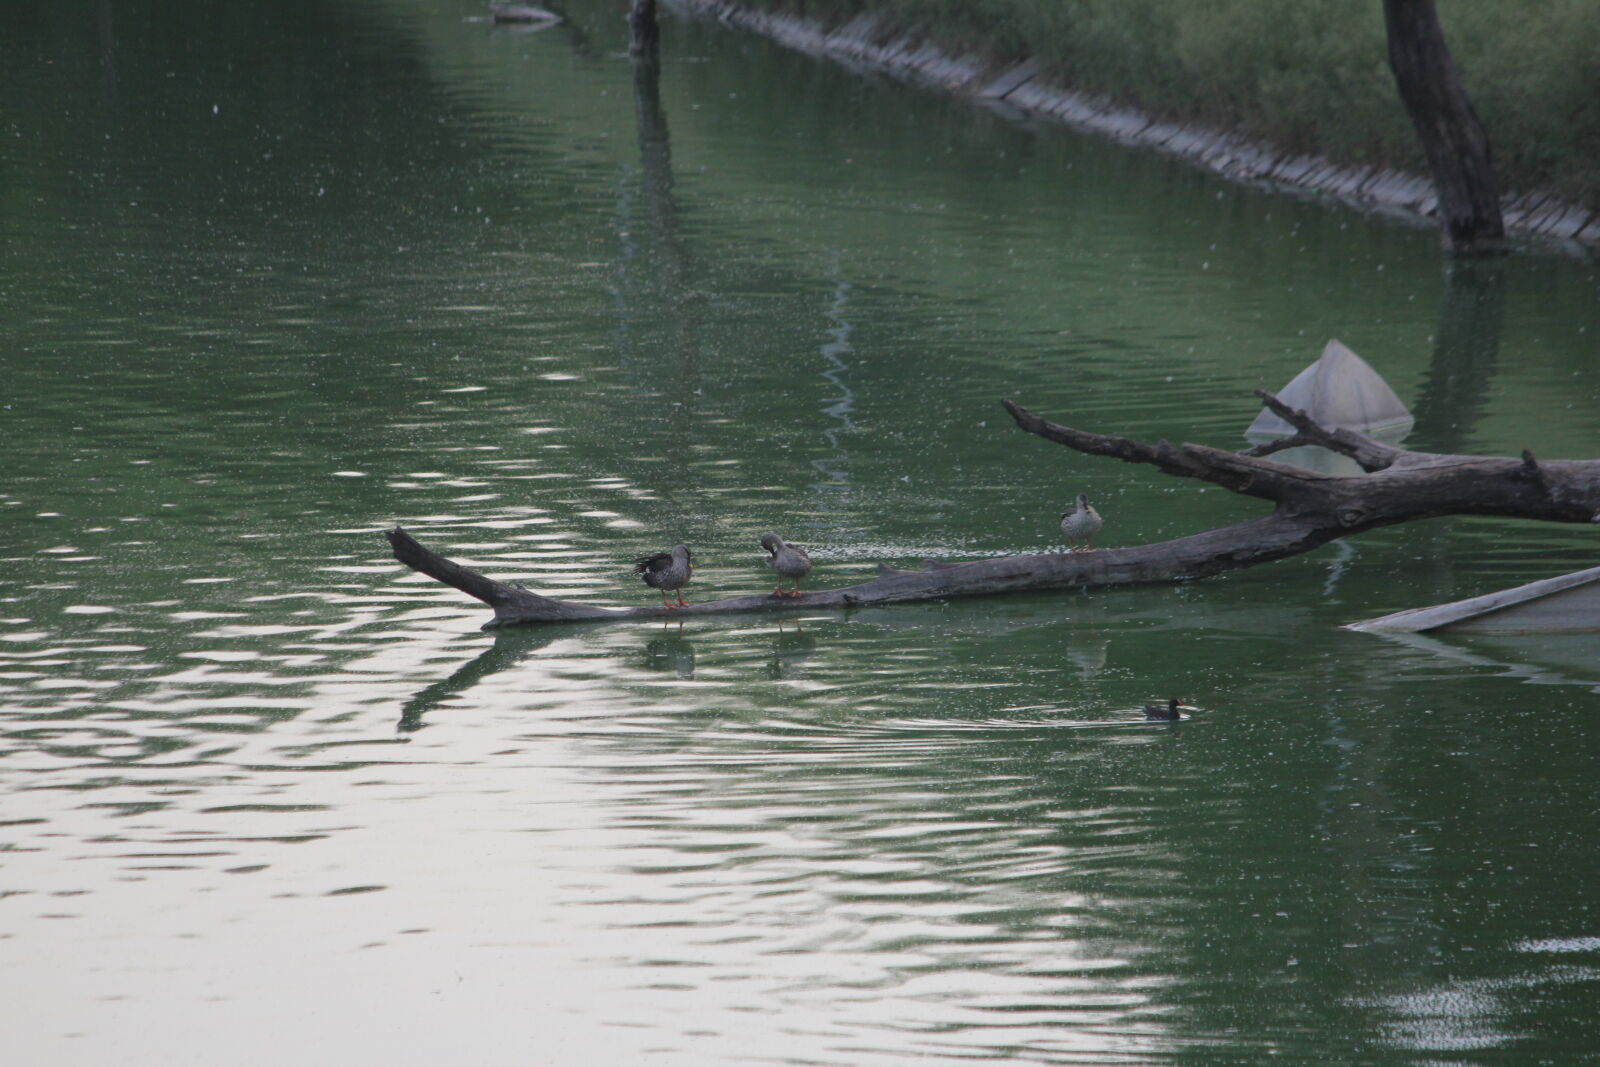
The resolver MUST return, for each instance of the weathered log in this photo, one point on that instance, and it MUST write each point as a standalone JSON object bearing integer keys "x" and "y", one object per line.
{"x": 513, "y": 604}
{"x": 1399, "y": 485}
{"x": 1310, "y": 509}
{"x": 1452, "y": 136}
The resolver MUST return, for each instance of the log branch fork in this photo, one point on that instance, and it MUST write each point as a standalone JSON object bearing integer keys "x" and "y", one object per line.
{"x": 1309, "y": 510}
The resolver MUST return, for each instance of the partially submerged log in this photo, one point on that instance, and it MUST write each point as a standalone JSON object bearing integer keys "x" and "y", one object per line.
{"x": 1310, "y": 509}
{"x": 1568, "y": 603}
{"x": 514, "y": 604}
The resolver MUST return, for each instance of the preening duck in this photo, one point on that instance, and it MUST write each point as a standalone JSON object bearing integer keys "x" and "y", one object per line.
{"x": 667, "y": 570}
{"x": 787, "y": 561}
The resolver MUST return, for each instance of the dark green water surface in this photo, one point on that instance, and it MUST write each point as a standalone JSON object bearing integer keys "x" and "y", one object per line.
{"x": 277, "y": 276}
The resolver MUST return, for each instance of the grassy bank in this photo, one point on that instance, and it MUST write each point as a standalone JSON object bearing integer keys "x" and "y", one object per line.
{"x": 1311, "y": 75}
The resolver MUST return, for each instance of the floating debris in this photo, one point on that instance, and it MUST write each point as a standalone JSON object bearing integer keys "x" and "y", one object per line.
{"x": 1339, "y": 390}
{"x": 1569, "y": 603}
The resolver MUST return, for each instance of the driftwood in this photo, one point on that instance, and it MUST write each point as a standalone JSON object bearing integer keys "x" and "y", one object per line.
{"x": 1310, "y": 509}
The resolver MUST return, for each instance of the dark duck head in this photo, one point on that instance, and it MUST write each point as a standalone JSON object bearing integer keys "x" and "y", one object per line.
{"x": 1167, "y": 713}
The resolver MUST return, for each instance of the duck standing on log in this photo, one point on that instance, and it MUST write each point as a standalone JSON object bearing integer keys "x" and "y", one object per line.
{"x": 667, "y": 570}
{"x": 787, "y": 561}
{"x": 1082, "y": 522}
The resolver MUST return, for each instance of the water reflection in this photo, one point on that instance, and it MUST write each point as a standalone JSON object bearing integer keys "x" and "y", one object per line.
{"x": 1466, "y": 349}
{"x": 670, "y": 651}
{"x": 411, "y": 271}
{"x": 508, "y": 648}
{"x": 661, "y": 339}
{"x": 108, "y": 55}
{"x": 840, "y": 406}
{"x": 1542, "y": 659}
{"x": 792, "y": 645}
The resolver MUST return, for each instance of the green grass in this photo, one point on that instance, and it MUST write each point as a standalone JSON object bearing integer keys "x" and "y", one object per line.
{"x": 1308, "y": 75}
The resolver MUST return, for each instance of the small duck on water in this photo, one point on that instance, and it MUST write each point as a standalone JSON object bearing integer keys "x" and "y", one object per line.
{"x": 1169, "y": 713}
{"x": 1081, "y": 523}
{"x": 787, "y": 561}
{"x": 667, "y": 570}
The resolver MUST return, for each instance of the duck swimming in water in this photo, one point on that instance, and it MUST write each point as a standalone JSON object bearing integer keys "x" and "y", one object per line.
{"x": 787, "y": 561}
{"x": 1082, "y": 522}
{"x": 667, "y": 570}
{"x": 1157, "y": 713}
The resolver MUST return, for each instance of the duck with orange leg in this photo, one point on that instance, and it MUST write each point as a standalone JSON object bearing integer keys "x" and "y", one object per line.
{"x": 787, "y": 561}
{"x": 1081, "y": 523}
{"x": 667, "y": 571}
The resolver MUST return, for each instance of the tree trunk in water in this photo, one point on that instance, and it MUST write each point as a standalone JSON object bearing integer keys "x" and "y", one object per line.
{"x": 1451, "y": 135}
{"x": 643, "y": 34}
{"x": 1310, "y": 509}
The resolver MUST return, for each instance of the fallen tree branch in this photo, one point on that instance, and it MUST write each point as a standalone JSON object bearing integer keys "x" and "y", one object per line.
{"x": 1402, "y": 485}
{"x": 1195, "y": 556}
{"x": 1310, "y": 509}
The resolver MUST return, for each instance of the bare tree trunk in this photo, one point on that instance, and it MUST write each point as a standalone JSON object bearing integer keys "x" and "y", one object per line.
{"x": 644, "y": 36}
{"x": 1452, "y": 137}
{"x": 1310, "y": 509}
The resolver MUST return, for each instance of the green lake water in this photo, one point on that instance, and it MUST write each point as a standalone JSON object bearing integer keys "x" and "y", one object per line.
{"x": 278, "y": 276}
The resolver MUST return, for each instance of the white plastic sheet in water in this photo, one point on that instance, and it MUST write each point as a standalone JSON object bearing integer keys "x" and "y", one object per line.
{"x": 1339, "y": 390}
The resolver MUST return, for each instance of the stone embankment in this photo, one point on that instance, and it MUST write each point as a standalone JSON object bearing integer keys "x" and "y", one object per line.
{"x": 863, "y": 42}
